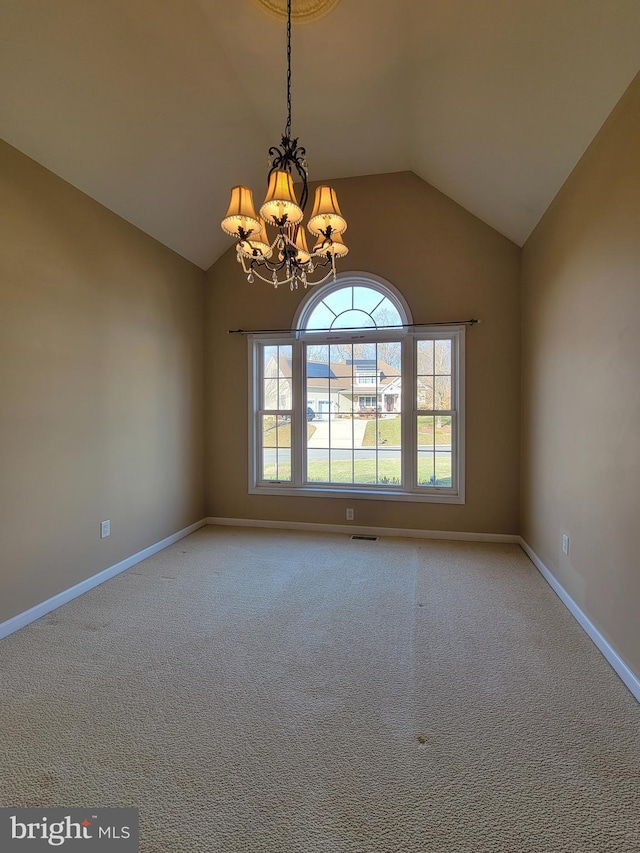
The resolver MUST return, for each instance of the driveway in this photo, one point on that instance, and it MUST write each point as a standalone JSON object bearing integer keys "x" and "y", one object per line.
{"x": 345, "y": 432}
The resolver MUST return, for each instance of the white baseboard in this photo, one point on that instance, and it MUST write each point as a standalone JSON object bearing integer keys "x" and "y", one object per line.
{"x": 39, "y": 610}
{"x": 613, "y": 658}
{"x": 317, "y": 527}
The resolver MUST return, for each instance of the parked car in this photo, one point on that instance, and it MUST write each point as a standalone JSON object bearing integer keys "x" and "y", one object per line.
{"x": 310, "y": 413}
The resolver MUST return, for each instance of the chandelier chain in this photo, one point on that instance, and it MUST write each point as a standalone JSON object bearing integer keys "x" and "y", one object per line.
{"x": 288, "y": 128}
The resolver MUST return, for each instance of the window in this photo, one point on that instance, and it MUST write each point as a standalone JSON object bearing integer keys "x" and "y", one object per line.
{"x": 367, "y": 401}
{"x": 366, "y": 378}
{"x": 357, "y": 400}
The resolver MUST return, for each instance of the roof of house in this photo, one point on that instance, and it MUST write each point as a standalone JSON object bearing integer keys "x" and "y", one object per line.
{"x": 322, "y": 372}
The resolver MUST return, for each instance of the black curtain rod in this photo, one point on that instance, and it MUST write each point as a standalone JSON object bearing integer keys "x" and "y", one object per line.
{"x": 349, "y": 328}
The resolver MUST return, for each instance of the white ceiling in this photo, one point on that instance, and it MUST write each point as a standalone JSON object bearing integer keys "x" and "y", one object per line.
{"x": 156, "y": 107}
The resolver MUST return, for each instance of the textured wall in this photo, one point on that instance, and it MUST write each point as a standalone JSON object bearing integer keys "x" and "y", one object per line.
{"x": 581, "y": 397}
{"x": 100, "y": 386}
{"x": 465, "y": 269}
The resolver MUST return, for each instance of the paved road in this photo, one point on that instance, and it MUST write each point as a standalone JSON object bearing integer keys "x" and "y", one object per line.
{"x": 345, "y": 436}
{"x": 316, "y": 454}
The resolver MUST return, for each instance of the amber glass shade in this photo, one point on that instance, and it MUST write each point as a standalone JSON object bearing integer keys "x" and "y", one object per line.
{"x": 304, "y": 255}
{"x": 241, "y": 213}
{"x": 326, "y": 211}
{"x": 257, "y": 246}
{"x": 280, "y": 201}
{"x": 336, "y": 247}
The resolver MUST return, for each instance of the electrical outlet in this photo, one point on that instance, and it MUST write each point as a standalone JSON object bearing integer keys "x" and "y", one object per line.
{"x": 350, "y": 514}
{"x": 565, "y": 543}
{"x": 105, "y": 529}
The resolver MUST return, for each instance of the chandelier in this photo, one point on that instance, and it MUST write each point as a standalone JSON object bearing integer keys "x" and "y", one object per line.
{"x": 286, "y": 259}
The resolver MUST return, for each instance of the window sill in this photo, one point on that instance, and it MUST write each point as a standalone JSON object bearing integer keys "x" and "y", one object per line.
{"x": 324, "y": 491}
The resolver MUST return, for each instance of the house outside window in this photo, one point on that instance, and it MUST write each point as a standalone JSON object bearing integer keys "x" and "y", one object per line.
{"x": 312, "y": 429}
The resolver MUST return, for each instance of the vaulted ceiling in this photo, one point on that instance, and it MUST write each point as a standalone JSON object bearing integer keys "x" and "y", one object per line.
{"x": 156, "y": 107}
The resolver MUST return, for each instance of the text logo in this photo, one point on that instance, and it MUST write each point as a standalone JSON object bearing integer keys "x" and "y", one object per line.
{"x": 106, "y": 830}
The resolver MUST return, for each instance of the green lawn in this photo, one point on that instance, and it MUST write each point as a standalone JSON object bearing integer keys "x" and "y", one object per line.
{"x": 389, "y": 431}
{"x": 284, "y": 433}
{"x": 364, "y": 471}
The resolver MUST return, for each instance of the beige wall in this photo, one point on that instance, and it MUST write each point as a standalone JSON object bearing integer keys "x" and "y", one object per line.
{"x": 100, "y": 386}
{"x": 581, "y": 397}
{"x": 465, "y": 269}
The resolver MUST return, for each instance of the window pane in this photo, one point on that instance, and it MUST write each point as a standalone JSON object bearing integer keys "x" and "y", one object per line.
{"x": 318, "y": 354}
{"x": 443, "y": 468}
{"x": 384, "y": 432}
{"x": 321, "y": 318}
{"x": 317, "y": 465}
{"x": 426, "y": 470}
{"x": 425, "y": 392}
{"x": 340, "y": 300}
{"x": 284, "y": 463}
{"x": 442, "y": 392}
{"x": 390, "y": 353}
{"x": 353, "y": 320}
{"x": 443, "y": 356}
{"x": 270, "y": 361}
{"x": 318, "y": 378}
{"x": 366, "y": 299}
{"x": 269, "y": 431}
{"x": 365, "y": 466}
{"x": 387, "y": 315}
{"x": 425, "y": 431}
{"x": 284, "y": 394}
{"x": 270, "y": 395}
{"x": 283, "y": 431}
{"x": 389, "y": 468}
{"x": 342, "y": 466}
{"x": 425, "y": 357}
{"x": 443, "y": 432}
{"x": 276, "y": 370}
{"x": 269, "y": 464}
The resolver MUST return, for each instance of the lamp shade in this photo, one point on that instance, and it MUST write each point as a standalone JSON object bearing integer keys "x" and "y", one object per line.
{"x": 335, "y": 246}
{"x": 241, "y": 213}
{"x": 257, "y": 246}
{"x": 326, "y": 211}
{"x": 280, "y": 206}
{"x": 303, "y": 255}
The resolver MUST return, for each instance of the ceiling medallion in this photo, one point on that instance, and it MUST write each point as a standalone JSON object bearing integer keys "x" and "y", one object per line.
{"x": 302, "y": 11}
{"x": 286, "y": 259}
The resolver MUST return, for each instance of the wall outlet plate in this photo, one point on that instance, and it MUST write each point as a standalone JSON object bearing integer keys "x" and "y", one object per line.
{"x": 565, "y": 543}
{"x": 105, "y": 529}
{"x": 349, "y": 514}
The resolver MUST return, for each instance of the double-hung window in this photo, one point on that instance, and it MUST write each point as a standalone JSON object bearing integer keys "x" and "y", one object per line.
{"x": 357, "y": 400}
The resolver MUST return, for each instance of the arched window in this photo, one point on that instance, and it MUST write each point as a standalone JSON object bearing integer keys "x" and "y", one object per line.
{"x": 349, "y": 304}
{"x": 357, "y": 399}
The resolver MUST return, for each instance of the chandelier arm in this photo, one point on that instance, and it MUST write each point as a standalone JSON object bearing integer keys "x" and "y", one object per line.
{"x": 260, "y": 262}
{"x": 321, "y": 280}
{"x": 300, "y": 168}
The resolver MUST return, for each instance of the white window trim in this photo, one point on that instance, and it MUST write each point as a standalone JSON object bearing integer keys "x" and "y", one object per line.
{"x": 411, "y": 491}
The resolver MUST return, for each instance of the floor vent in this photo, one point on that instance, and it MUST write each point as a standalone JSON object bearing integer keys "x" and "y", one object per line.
{"x": 366, "y": 538}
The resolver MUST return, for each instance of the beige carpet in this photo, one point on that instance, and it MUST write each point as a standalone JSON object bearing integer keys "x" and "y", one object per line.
{"x": 266, "y": 691}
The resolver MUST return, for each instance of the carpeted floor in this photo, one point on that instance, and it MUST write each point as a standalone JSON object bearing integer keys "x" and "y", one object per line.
{"x": 256, "y": 690}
